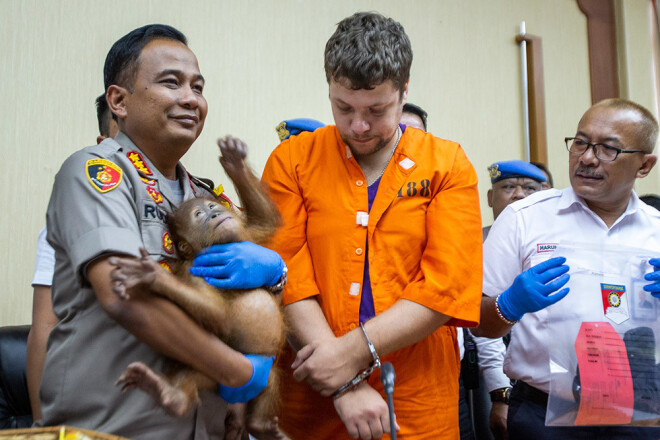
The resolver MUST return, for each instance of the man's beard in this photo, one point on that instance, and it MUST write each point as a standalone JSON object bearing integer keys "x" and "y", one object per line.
{"x": 382, "y": 143}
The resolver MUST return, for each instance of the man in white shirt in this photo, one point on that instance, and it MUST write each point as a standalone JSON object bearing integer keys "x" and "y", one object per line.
{"x": 613, "y": 147}
{"x": 511, "y": 180}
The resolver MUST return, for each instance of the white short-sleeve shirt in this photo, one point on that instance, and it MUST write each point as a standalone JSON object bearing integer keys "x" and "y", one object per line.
{"x": 525, "y": 234}
{"x": 45, "y": 265}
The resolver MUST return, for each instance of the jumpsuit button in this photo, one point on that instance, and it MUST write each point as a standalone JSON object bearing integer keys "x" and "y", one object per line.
{"x": 359, "y": 183}
{"x": 352, "y": 326}
{"x": 358, "y": 251}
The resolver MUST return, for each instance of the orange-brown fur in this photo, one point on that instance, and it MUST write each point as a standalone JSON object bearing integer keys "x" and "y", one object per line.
{"x": 250, "y": 321}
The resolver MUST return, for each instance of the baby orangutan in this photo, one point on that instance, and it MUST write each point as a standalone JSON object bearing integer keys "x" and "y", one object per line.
{"x": 250, "y": 321}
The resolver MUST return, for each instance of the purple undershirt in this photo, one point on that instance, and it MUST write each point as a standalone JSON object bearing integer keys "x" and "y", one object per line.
{"x": 367, "y": 310}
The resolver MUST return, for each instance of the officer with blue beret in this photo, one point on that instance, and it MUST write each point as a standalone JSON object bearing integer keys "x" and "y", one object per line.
{"x": 292, "y": 127}
{"x": 511, "y": 180}
{"x": 515, "y": 168}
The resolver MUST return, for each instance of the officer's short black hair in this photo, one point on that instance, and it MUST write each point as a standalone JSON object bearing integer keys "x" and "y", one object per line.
{"x": 416, "y": 110}
{"x": 102, "y": 113}
{"x": 122, "y": 60}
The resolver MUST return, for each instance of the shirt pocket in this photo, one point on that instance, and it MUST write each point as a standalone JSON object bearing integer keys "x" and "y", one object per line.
{"x": 155, "y": 237}
{"x": 539, "y": 258}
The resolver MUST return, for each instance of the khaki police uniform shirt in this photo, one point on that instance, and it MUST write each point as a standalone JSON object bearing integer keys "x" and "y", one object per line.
{"x": 109, "y": 199}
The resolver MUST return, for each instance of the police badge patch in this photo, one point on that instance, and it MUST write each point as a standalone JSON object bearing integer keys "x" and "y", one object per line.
{"x": 615, "y": 302}
{"x": 103, "y": 174}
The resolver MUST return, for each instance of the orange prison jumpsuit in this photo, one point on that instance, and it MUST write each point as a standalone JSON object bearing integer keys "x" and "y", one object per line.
{"x": 424, "y": 233}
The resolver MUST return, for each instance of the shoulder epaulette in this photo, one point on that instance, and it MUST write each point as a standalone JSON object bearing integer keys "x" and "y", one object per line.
{"x": 204, "y": 183}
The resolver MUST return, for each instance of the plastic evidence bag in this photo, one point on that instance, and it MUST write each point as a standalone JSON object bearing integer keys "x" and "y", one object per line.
{"x": 606, "y": 348}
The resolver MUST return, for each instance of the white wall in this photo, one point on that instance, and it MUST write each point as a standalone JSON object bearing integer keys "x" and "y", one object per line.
{"x": 263, "y": 61}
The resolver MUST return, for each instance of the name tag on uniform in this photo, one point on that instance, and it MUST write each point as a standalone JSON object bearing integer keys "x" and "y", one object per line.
{"x": 150, "y": 212}
{"x": 545, "y": 247}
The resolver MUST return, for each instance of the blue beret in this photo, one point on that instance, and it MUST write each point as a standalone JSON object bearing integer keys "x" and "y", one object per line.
{"x": 292, "y": 127}
{"x": 515, "y": 168}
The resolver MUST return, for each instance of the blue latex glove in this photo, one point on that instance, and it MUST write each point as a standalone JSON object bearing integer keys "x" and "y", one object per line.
{"x": 261, "y": 366}
{"x": 530, "y": 291}
{"x": 654, "y": 276}
{"x": 242, "y": 265}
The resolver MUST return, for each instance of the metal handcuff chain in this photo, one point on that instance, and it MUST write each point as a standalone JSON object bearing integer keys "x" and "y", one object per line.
{"x": 363, "y": 375}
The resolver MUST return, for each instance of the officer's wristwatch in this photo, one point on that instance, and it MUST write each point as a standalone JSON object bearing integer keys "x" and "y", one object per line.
{"x": 279, "y": 286}
{"x": 500, "y": 395}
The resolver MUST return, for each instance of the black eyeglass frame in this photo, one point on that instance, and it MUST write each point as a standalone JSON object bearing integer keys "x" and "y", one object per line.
{"x": 569, "y": 141}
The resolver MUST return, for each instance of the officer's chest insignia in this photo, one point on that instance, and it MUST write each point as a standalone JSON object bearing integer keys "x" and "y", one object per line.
{"x": 103, "y": 174}
{"x": 151, "y": 182}
{"x": 168, "y": 246}
{"x": 218, "y": 190}
{"x": 225, "y": 202}
{"x": 165, "y": 265}
{"x": 222, "y": 198}
{"x": 155, "y": 195}
{"x": 138, "y": 162}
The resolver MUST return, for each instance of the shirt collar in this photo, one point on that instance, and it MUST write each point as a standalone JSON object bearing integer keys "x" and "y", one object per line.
{"x": 569, "y": 199}
{"x": 181, "y": 174}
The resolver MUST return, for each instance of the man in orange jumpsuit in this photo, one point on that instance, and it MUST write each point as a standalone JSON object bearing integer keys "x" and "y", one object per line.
{"x": 381, "y": 228}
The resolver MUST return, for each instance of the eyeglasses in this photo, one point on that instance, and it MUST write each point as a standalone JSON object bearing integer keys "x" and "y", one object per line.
{"x": 604, "y": 152}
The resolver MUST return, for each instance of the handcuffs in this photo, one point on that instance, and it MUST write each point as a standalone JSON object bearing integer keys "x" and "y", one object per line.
{"x": 363, "y": 375}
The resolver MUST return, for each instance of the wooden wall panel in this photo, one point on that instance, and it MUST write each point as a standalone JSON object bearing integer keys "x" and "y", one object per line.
{"x": 602, "y": 48}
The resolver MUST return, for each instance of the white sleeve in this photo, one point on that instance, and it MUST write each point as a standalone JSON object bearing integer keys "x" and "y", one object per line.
{"x": 460, "y": 342}
{"x": 45, "y": 265}
{"x": 491, "y": 361}
{"x": 502, "y": 260}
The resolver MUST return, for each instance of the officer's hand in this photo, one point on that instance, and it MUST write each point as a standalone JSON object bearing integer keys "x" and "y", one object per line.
{"x": 498, "y": 415}
{"x": 261, "y": 366}
{"x": 531, "y": 290}
{"x": 364, "y": 412}
{"x": 654, "y": 286}
{"x": 243, "y": 265}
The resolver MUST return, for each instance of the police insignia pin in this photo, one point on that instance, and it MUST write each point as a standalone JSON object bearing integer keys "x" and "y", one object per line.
{"x": 138, "y": 162}
{"x": 493, "y": 171}
{"x": 150, "y": 182}
{"x": 224, "y": 201}
{"x": 282, "y": 132}
{"x": 165, "y": 265}
{"x": 155, "y": 195}
{"x": 103, "y": 174}
{"x": 218, "y": 190}
{"x": 168, "y": 246}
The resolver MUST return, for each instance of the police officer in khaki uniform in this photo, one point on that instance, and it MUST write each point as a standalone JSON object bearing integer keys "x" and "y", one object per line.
{"x": 111, "y": 199}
